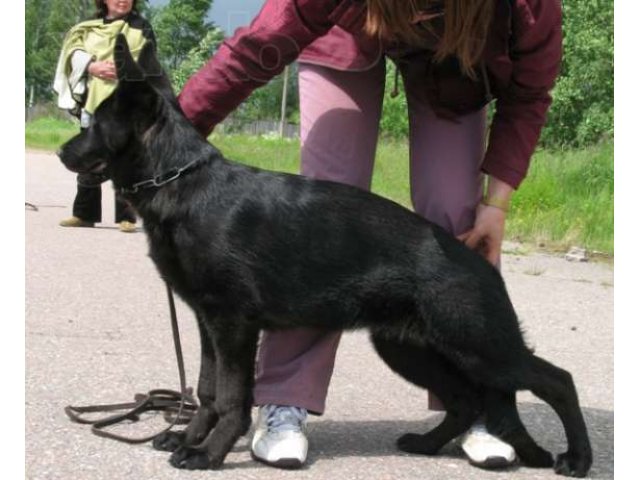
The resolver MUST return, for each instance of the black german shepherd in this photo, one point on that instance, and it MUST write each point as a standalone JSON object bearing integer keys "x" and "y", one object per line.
{"x": 248, "y": 249}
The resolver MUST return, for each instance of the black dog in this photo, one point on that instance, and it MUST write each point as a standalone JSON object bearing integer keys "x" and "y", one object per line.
{"x": 248, "y": 250}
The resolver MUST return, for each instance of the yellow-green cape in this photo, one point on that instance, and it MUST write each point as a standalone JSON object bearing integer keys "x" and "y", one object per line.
{"x": 98, "y": 39}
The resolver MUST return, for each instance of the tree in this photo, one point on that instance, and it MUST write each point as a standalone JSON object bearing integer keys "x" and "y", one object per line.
{"x": 179, "y": 26}
{"x": 196, "y": 57}
{"x": 265, "y": 102}
{"x": 582, "y": 109}
{"x": 35, "y": 63}
{"x": 46, "y": 23}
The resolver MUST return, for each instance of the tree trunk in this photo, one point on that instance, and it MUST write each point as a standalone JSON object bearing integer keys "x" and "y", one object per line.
{"x": 30, "y": 104}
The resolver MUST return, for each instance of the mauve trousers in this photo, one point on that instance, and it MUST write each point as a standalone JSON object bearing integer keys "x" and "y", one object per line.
{"x": 339, "y": 122}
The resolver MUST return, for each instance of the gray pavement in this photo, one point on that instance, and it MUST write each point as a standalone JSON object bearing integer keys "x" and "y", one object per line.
{"x": 97, "y": 331}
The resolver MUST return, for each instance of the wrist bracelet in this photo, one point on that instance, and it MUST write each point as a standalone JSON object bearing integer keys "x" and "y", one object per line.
{"x": 496, "y": 202}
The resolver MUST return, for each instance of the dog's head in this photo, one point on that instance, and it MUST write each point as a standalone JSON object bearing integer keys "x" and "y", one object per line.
{"x": 117, "y": 130}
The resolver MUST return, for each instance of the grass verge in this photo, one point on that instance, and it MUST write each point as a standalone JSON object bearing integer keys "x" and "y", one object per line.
{"x": 567, "y": 198}
{"x": 49, "y": 133}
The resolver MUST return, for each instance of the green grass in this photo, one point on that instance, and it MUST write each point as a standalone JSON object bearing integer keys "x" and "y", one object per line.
{"x": 49, "y": 133}
{"x": 567, "y": 198}
{"x": 391, "y": 173}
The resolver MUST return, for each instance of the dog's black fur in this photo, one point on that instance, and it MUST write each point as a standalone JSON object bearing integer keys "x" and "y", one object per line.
{"x": 248, "y": 250}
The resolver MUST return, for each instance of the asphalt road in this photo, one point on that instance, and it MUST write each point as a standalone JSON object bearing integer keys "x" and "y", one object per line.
{"x": 97, "y": 331}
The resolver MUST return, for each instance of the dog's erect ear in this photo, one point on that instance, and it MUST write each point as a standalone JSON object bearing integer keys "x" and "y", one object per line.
{"x": 153, "y": 72}
{"x": 126, "y": 67}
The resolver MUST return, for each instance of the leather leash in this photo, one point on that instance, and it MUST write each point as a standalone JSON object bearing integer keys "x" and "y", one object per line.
{"x": 178, "y": 407}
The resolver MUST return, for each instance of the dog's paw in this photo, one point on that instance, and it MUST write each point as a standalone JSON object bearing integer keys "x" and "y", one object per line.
{"x": 572, "y": 465}
{"x": 187, "y": 458}
{"x": 169, "y": 441}
{"x": 536, "y": 458}
{"x": 415, "y": 443}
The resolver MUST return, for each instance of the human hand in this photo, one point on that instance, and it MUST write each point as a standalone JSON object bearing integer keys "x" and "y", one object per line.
{"x": 104, "y": 70}
{"x": 487, "y": 233}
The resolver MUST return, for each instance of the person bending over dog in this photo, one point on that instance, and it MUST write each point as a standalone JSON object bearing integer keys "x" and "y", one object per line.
{"x": 455, "y": 56}
{"x": 85, "y": 76}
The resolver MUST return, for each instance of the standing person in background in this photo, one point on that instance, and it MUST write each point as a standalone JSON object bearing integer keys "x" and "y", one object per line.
{"x": 455, "y": 56}
{"x": 85, "y": 76}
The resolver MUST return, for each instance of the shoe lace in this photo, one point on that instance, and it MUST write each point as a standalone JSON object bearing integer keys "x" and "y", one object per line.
{"x": 479, "y": 430}
{"x": 280, "y": 418}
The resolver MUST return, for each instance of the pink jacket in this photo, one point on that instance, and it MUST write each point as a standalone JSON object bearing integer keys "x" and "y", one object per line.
{"x": 522, "y": 59}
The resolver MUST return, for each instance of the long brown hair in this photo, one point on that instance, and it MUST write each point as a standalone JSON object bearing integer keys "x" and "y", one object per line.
{"x": 466, "y": 23}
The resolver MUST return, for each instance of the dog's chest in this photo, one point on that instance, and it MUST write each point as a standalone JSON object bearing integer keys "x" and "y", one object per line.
{"x": 167, "y": 254}
{"x": 189, "y": 263}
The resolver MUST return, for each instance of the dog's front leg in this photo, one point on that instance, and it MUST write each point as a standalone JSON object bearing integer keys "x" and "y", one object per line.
{"x": 235, "y": 350}
{"x": 206, "y": 417}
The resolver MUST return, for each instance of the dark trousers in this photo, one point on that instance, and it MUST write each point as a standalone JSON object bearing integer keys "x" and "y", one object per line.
{"x": 88, "y": 202}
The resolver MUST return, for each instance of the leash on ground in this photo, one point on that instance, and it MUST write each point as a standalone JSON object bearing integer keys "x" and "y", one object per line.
{"x": 178, "y": 407}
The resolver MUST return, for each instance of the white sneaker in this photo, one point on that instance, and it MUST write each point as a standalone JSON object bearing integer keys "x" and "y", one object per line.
{"x": 485, "y": 450}
{"x": 280, "y": 439}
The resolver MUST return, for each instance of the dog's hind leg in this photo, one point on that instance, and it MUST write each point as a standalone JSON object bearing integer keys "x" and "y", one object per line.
{"x": 206, "y": 417}
{"x": 235, "y": 352}
{"x": 426, "y": 368}
{"x": 555, "y": 386}
{"x": 503, "y": 420}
